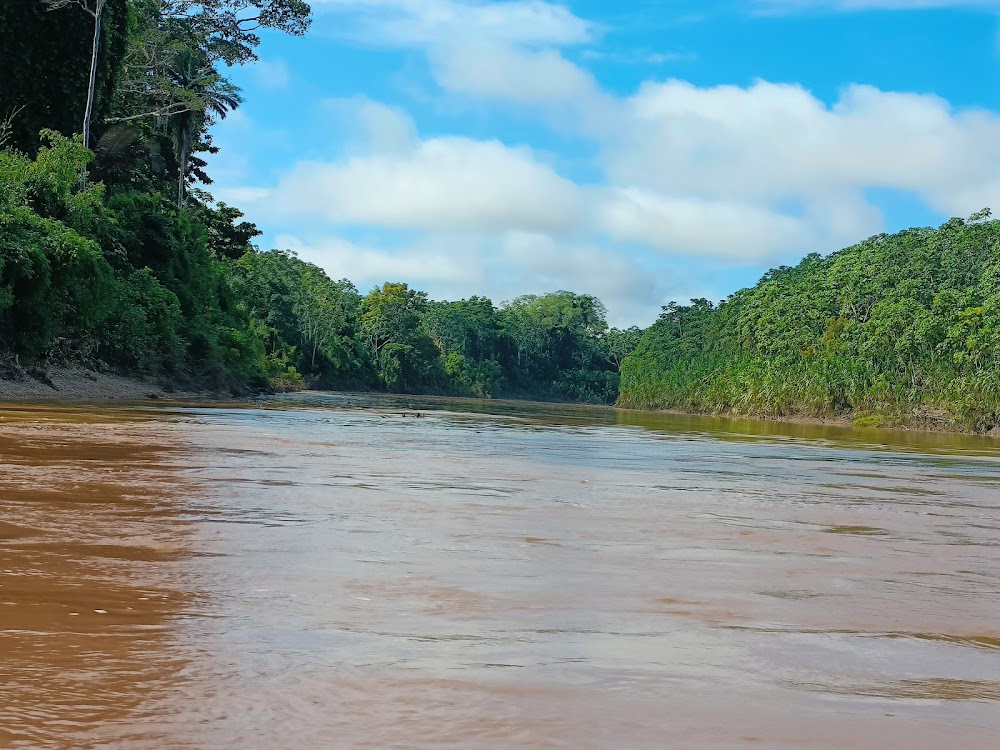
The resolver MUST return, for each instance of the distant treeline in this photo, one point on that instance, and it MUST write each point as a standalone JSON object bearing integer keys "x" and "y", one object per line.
{"x": 552, "y": 346}
{"x": 900, "y": 329}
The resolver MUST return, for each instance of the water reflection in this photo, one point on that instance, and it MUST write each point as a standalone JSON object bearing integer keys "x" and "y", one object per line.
{"x": 321, "y": 571}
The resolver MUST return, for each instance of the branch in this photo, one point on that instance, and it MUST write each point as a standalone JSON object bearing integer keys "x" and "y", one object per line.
{"x": 255, "y": 20}
{"x": 82, "y": 4}
{"x": 167, "y": 111}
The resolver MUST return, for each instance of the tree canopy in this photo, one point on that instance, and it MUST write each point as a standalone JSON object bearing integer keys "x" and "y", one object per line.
{"x": 901, "y": 328}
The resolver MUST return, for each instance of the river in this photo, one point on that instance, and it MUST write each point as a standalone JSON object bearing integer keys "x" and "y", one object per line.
{"x": 327, "y": 571}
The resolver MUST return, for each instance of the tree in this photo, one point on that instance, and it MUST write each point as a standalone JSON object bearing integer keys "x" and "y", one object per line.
{"x": 390, "y": 315}
{"x": 229, "y": 27}
{"x": 403, "y": 353}
{"x": 620, "y": 343}
{"x": 323, "y": 308}
{"x": 95, "y": 9}
{"x": 899, "y": 328}
{"x": 207, "y": 95}
{"x": 50, "y": 70}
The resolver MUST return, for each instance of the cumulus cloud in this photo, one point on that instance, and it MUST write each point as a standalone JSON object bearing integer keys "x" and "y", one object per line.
{"x": 543, "y": 264}
{"x": 728, "y": 171}
{"x": 449, "y": 183}
{"x": 689, "y": 224}
{"x": 535, "y": 77}
{"x": 718, "y": 151}
{"x": 769, "y": 143}
{"x": 368, "y": 266}
{"x": 378, "y": 128}
{"x": 506, "y": 51}
{"x": 747, "y": 174}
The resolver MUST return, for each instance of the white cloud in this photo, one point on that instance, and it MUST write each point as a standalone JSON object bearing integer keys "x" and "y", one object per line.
{"x": 505, "y": 51}
{"x": 684, "y": 224}
{"x": 441, "y": 184}
{"x": 749, "y": 174}
{"x": 543, "y": 264}
{"x": 379, "y": 128}
{"x": 428, "y": 22}
{"x": 367, "y": 266}
{"x": 770, "y": 143}
{"x": 500, "y": 71}
{"x": 742, "y": 151}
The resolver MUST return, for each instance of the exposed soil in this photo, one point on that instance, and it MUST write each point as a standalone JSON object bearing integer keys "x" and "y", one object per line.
{"x": 80, "y": 385}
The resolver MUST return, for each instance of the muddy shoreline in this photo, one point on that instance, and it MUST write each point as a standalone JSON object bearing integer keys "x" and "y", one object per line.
{"x": 74, "y": 385}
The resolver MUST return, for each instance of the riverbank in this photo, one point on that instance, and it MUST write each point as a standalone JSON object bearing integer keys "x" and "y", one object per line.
{"x": 81, "y": 385}
{"x": 922, "y": 421}
{"x": 77, "y": 385}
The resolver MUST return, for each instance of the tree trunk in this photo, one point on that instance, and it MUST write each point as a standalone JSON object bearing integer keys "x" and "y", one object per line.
{"x": 184, "y": 138}
{"x": 92, "y": 83}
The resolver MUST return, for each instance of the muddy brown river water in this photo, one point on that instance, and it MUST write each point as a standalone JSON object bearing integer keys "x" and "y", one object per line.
{"x": 321, "y": 571}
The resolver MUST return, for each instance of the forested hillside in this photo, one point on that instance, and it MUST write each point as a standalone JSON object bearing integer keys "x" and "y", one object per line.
{"x": 112, "y": 255}
{"x": 900, "y": 329}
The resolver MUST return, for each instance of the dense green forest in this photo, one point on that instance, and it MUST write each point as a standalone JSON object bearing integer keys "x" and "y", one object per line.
{"x": 900, "y": 329}
{"x": 113, "y": 255}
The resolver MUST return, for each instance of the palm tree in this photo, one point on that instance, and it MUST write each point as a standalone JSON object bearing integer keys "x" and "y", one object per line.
{"x": 208, "y": 94}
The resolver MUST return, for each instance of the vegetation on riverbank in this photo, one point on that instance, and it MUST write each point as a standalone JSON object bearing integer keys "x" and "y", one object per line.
{"x": 900, "y": 329}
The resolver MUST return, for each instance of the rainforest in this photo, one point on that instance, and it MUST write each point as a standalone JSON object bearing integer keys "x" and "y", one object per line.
{"x": 114, "y": 255}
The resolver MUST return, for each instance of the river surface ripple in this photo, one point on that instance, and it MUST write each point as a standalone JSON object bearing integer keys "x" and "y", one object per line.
{"x": 324, "y": 571}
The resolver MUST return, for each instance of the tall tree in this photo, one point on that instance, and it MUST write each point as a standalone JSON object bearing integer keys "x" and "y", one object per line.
{"x": 50, "y": 71}
{"x": 95, "y": 9}
{"x": 208, "y": 95}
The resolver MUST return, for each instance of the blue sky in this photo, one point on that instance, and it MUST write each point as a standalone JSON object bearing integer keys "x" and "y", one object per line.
{"x": 640, "y": 151}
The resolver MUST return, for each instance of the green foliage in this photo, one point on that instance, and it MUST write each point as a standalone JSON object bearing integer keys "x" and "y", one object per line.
{"x": 113, "y": 256}
{"x": 619, "y": 343}
{"x": 103, "y": 255}
{"x": 391, "y": 327}
{"x": 904, "y": 328}
{"x": 54, "y": 280}
{"x": 302, "y": 317}
{"x": 556, "y": 345}
{"x": 143, "y": 334}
